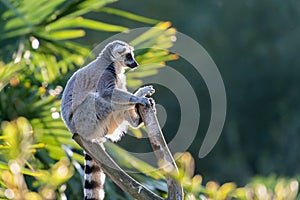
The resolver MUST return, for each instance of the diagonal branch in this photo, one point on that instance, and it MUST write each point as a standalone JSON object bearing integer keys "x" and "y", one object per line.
{"x": 112, "y": 169}
{"x": 161, "y": 150}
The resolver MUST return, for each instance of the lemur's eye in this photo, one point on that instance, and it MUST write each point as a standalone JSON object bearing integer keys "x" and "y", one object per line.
{"x": 128, "y": 56}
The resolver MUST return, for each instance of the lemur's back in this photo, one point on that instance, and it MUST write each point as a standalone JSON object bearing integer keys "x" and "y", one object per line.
{"x": 80, "y": 85}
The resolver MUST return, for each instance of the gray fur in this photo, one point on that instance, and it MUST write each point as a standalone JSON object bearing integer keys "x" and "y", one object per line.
{"x": 96, "y": 104}
{"x": 95, "y": 97}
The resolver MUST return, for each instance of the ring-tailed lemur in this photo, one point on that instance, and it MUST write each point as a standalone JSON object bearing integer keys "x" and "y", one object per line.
{"x": 96, "y": 105}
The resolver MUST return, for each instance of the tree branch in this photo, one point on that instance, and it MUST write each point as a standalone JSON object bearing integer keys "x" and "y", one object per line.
{"x": 161, "y": 150}
{"x": 112, "y": 169}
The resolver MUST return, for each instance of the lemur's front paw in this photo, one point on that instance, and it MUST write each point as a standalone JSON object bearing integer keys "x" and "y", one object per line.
{"x": 144, "y": 101}
{"x": 145, "y": 91}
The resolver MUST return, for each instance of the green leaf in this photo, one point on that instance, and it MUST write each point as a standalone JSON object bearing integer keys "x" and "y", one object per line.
{"x": 63, "y": 34}
{"x": 122, "y": 157}
{"x": 42, "y": 10}
{"x": 20, "y": 20}
{"x": 84, "y": 7}
{"x": 22, "y": 30}
{"x": 9, "y": 71}
{"x": 56, "y": 152}
{"x": 13, "y": 11}
{"x": 4, "y": 166}
{"x": 129, "y": 15}
{"x": 150, "y": 37}
{"x": 80, "y": 22}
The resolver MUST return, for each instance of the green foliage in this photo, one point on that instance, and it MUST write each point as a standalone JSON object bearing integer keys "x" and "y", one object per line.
{"x": 19, "y": 166}
{"x": 260, "y": 188}
{"x": 38, "y": 159}
{"x": 255, "y": 45}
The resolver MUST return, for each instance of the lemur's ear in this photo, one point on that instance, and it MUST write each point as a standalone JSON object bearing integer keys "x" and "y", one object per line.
{"x": 121, "y": 49}
{"x": 118, "y": 51}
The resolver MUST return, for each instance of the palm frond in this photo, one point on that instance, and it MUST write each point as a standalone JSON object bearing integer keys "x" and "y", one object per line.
{"x": 152, "y": 52}
{"x": 128, "y": 15}
{"x": 37, "y": 56}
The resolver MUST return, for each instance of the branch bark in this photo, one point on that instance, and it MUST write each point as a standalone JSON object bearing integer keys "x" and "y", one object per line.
{"x": 161, "y": 150}
{"x": 112, "y": 169}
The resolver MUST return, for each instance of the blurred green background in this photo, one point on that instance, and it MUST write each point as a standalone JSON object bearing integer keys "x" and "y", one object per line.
{"x": 255, "y": 45}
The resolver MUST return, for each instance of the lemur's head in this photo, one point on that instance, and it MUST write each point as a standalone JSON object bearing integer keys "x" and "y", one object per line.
{"x": 123, "y": 54}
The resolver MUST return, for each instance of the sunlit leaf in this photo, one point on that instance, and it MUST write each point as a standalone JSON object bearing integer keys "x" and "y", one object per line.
{"x": 80, "y": 22}
{"x": 147, "y": 39}
{"x": 63, "y": 34}
{"x": 128, "y": 15}
{"x": 4, "y": 166}
{"x": 87, "y": 6}
{"x": 135, "y": 163}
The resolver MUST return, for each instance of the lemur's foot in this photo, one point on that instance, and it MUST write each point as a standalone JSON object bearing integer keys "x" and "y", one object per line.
{"x": 144, "y": 101}
{"x": 152, "y": 104}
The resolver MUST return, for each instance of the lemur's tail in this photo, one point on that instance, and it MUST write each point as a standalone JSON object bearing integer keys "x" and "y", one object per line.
{"x": 94, "y": 179}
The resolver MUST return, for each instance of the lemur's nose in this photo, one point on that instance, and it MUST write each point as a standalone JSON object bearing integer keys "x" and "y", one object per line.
{"x": 133, "y": 64}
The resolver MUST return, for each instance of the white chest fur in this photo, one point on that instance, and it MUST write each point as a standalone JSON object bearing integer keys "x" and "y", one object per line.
{"x": 121, "y": 81}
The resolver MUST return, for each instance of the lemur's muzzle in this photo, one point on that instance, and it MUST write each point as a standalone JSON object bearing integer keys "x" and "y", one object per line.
{"x": 132, "y": 64}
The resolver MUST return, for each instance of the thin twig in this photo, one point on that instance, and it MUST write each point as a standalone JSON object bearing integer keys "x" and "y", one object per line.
{"x": 161, "y": 150}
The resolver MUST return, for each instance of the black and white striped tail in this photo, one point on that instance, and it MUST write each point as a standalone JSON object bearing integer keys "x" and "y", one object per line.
{"x": 94, "y": 179}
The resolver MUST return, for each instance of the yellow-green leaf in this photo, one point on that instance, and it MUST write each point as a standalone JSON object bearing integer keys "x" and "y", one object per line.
{"x": 64, "y": 34}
